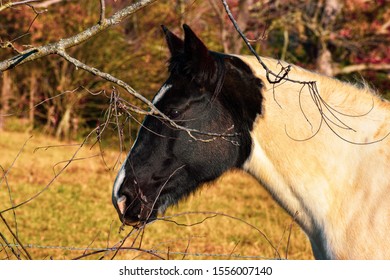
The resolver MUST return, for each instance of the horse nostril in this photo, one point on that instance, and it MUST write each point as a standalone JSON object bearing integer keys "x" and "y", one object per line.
{"x": 121, "y": 203}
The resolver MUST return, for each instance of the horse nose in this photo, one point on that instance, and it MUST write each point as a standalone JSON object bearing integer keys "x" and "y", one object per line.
{"x": 118, "y": 198}
{"x": 121, "y": 204}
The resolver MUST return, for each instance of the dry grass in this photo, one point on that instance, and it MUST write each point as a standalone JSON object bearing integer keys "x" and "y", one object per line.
{"x": 76, "y": 211}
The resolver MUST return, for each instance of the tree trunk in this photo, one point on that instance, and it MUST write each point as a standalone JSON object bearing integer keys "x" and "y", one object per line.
{"x": 63, "y": 129}
{"x": 33, "y": 91}
{"x": 324, "y": 61}
{"x": 5, "y": 97}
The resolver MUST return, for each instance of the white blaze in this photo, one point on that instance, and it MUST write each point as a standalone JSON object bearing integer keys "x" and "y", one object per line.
{"x": 120, "y": 200}
{"x": 118, "y": 182}
{"x": 161, "y": 93}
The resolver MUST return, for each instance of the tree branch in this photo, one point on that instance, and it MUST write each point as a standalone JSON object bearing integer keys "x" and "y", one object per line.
{"x": 153, "y": 109}
{"x": 102, "y": 11}
{"x": 53, "y": 48}
{"x": 47, "y": 3}
{"x": 14, "y": 4}
{"x": 60, "y": 47}
{"x": 361, "y": 67}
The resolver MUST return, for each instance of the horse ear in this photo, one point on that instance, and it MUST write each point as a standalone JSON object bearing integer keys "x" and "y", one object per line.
{"x": 197, "y": 54}
{"x": 193, "y": 46}
{"x": 175, "y": 44}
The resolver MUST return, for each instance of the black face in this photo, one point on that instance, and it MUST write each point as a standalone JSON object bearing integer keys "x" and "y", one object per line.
{"x": 208, "y": 92}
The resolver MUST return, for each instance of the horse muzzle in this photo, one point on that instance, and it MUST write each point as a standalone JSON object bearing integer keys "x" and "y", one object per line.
{"x": 134, "y": 212}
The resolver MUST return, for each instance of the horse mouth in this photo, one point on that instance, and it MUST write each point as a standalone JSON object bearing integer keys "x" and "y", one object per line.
{"x": 137, "y": 221}
{"x": 135, "y": 214}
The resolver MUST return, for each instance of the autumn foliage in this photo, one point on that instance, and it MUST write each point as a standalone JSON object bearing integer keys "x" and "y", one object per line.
{"x": 348, "y": 39}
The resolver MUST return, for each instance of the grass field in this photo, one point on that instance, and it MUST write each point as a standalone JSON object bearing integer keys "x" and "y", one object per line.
{"x": 74, "y": 215}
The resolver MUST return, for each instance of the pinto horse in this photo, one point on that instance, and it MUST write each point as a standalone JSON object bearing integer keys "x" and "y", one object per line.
{"x": 321, "y": 148}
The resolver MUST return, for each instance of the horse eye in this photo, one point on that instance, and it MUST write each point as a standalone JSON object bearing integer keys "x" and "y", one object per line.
{"x": 174, "y": 114}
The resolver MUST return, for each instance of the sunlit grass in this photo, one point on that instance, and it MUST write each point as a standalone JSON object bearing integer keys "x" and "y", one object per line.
{"x": 75, "y": 211}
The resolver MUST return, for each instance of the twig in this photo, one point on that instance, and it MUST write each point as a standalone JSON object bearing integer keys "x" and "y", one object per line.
{"x": 278, "y": 78}
{"x": 16, "y": 238}
{"x": 224, "y": 215}
{"x": 122, "y": 242}
{"x": 234, "y": 248}
{"x": 54, "y": 146}
{"x": 10, "y": 199}
{"x": 9, "y": 44}
{"x": 73, "y": 159}
{"x": 9, "y": 246}
{"x": 290, "y": 231}
{"x": 102, "y": 12}
{"x": 150, "y": 252}
{"x": 5, "y": 174}
{"x": 14, "y": 4}
{"x": 90, "y": 244}
{"x": 120, "y": 137}
{"x": 186, "y": 250}
{"x": 52, "y": 180}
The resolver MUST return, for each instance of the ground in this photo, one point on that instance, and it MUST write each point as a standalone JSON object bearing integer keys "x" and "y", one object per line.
{"x": 233, "y": 218}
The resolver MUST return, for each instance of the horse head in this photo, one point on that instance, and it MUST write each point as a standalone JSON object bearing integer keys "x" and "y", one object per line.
{"x": 217, "y": 97}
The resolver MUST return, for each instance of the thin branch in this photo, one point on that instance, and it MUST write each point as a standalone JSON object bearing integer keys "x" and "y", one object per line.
{"x": 9, "y": 44}
{"x": 10, "y": 199}
{"x": 47, "y": 3}
{"x": 16, "y": 238}
{"x": 290, "y": 231}
{"x": 13, "y": 162}
{"x": 52, "y": 180}
{"x": 362, "y": 67}
{"x": 150, "y": 252}
{"x": 166, "y": 218}
{"x": 286, "y": 69}
{"x": 14, "y": 4}
{"x": 9, "y": 246}
{"x": 73, "y": 159}
{"x": 102, "y": 12}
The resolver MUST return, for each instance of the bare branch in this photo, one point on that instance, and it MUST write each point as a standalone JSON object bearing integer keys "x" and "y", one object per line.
{"x": 52, "y": 180}
{"x": 9, "y": 246}
{"x": 153, "y": 110}
{"x": 102, "y": 11}
{"x": 16, "y": 238}
{"x": 53, "y": 48}
{"x": 361, "y": 67}
{"x": 278, "y": 78}
{"x": 47, "y": 3}
{"x": 215, "y": 214}
{"x": 14, "y": 4}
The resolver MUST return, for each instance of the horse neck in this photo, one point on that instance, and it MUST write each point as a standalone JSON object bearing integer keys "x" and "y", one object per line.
{"x": 304, "y": 163}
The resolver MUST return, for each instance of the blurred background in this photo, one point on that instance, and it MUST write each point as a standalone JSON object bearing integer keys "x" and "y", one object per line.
{"x": 60, "y": 105}
{"x": 346, "y": 39}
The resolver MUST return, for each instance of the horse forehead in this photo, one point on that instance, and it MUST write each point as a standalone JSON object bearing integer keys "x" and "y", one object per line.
{"x": 161, "y": 93}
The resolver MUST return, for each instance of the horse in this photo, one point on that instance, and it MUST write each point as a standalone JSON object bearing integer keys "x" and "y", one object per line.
{"x": 317, "y": 144}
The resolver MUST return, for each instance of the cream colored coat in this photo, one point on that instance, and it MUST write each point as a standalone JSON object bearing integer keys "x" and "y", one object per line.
{"x": 337, "y": 186}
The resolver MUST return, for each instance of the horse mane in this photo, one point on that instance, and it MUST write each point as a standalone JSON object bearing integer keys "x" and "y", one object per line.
{"x": 336, "y": 92}
{"x": 210, "y": 72}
